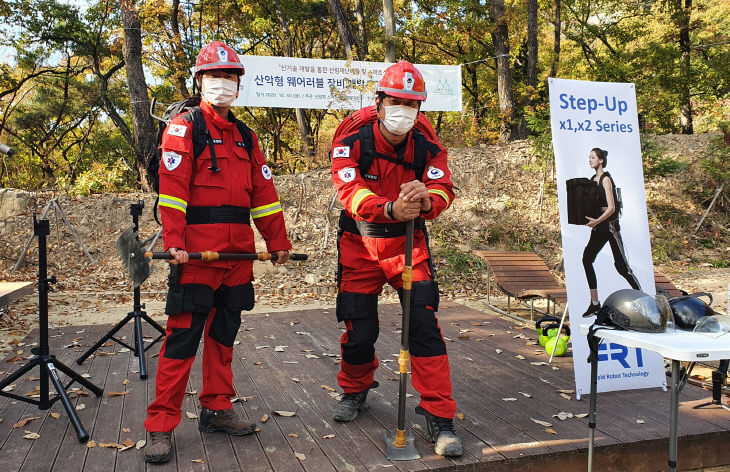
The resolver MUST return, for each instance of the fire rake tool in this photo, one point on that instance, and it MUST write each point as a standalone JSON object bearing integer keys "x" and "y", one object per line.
{"x": 399, "y": 446}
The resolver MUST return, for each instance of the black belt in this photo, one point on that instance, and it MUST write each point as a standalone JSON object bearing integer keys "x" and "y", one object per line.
{"x": 201, "y": 215}
{"x": 376, "y": 230}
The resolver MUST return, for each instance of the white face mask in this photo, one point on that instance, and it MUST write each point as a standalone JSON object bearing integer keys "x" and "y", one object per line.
{"x": 218, "y": 91}
{"x": 399, "y": 119}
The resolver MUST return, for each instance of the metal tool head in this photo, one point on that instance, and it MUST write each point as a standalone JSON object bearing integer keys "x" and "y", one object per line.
{"x": 131, "y": 252}
{"x": 406, "y": 452}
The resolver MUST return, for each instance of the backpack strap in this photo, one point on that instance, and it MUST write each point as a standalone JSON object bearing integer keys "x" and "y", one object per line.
{"x": 247, "y": 137}
{"x": 421, "y": 149}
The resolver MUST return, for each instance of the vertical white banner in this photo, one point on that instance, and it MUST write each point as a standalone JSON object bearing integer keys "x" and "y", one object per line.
{"x": 585, "y": 116}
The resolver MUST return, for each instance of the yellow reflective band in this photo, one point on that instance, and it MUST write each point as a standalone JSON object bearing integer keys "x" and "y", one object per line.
{"x": 265, "y": 210}
{"x": 440, "y": 193}
{"x": 360, "y": 195}
{"x": 173, "y": 202}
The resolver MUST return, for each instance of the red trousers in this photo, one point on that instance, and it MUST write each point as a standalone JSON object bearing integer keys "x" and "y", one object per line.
{"x": 173, "y": 371}
{"x": 365, "y": 272}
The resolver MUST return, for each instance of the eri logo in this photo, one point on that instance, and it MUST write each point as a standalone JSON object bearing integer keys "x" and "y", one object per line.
{"x": 347, "y": 174}
{"x": 266, "y": 172}
{"x": 408, "y": 81}
{"x": 171, "y": 160}
{"x": 435, "y": 173}
{"x": 222, "y": 54}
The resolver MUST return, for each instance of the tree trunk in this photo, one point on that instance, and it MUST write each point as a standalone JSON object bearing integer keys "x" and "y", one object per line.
{"x": 531, "y": 45}
{"x": 182, "y": 74}
{"x": 362, "y": 47}
{"x": 305, "y": 130}
{"x": 143, "y": 128}
{"x": 557, "y": 24}
{"x": 500, "y": 38}
{"x": 685, "y": 105}
{"x": 339, "y": 15}
{"x": 390, "y": 43}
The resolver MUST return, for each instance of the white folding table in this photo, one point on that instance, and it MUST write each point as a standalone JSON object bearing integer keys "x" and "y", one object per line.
{"x": 675, "y": 345}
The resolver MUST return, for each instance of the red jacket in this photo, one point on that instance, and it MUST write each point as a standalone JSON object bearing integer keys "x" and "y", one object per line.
{"x": 244, "y": 180}
{"x": 364, "y": 199}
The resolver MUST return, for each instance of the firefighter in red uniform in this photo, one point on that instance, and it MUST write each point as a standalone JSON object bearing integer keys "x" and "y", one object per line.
{"x": 206, "y": 203}
{"x": 372, "y": 251}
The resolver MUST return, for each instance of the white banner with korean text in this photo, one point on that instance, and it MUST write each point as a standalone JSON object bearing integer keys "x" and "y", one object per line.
{"x": 595, "y": 131}
{"x": 288, "y": 82}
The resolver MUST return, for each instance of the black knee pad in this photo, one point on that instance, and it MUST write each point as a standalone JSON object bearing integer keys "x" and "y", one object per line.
{"x": 182, "y": 343}
{"x": 356, "y": 306}
{"x": 360, "y": 346}
{"x": 425, "y": 336}
{"x": 197, "y": 298}
{"x": 229, "y": 302}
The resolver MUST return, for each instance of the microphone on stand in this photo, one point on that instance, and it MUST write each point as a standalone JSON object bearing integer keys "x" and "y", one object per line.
{"x": 6, "y": 150}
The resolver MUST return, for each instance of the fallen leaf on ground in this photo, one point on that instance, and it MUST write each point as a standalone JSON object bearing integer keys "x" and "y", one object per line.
{"x": 91, "y": 443}
{"x": 498, "y": 351}
{"x": 640, "y": 421}
{"x": 118, "y": 394}
{"x": 126, "y": 381}
{"x": 140, "y": 444}
{"x": 55, "y": 415}
{"x": 328, "y": 436}
{"x": 126, "y": 430}
{"x": 86, "y": 376}
{"x": 311, "y": 356}
{"x": 565, "y": 391}
{"x": 128, "y": 442}
{"x": 10, "y": 388}
{"x": 581, "y": 415}
{"x": 542, "y": 423}
{"x": 191, "y": 415}
{"x": 198, "y": 461}
{"x": 31, "y": 435}
{"x": 551, "y": 431}
{"x": 257, "y": 363}
{"x": 80, "y": 407}
{"x": 111, "y": 445}
{"x": 24, "y": 421}
{"x": 520, "y": 356}
{"x": 284, "y": 413}
{"x": 291, "y": 362}
{"x": 509, "y": 399}
{"x": 566, "y": 396}
{"x": 563, "y": 415}
{"x": 300, "y": 456}
{"x": 293, "y": 435}
{"x": 460, "y": 415}
{"x": 327, "y": 387}
{"x": 262, "y": 347}
{"x": 527, "y": 395}
{"x": 265, "y": 418}
{"x": 280, "y": 348}
{"x": 295, "y": 379}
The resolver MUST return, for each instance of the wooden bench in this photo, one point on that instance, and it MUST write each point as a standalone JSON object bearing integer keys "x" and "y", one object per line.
{"x": 525, "y": 276}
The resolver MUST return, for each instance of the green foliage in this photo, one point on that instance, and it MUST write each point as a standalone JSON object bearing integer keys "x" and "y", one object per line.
{"x": 654, "y": 164}
{"x": 101, "y": 178}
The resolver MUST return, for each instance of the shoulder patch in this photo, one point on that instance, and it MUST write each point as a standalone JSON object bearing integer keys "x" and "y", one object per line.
{"x": 177, "y": 130}
{"x": 347, "y": 174}
{"x": 341, "y": 151}
{"x": 171, "y": 160}
{"x": 435, "y": 173}
{"x": 266, "y": 172}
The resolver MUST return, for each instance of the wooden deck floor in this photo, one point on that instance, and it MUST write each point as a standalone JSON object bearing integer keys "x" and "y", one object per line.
{"x": 498, "y": 434}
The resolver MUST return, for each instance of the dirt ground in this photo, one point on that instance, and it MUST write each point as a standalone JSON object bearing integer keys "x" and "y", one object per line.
{"x": 498, "y": 206}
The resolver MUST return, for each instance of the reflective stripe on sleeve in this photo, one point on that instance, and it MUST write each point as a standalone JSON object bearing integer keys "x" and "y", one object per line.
{"x": 173, "y": 202}
{"x": 359, "y": 197}
{"x": 266, "y": 210}
{"x": 440, "y": 193}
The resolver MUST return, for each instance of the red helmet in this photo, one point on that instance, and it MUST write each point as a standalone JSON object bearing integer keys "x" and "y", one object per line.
{"x": 402, "y": 80}
{"x": 217, "y": 55}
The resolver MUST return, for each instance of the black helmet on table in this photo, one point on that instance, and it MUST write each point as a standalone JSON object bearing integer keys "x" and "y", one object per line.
{"x": 634, "y": 310}
{"x": 688, "y": 310}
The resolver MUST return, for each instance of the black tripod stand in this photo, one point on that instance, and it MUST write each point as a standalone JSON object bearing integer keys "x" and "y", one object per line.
{"x": 48, "y": 363}
{"x": 135, "y": 209}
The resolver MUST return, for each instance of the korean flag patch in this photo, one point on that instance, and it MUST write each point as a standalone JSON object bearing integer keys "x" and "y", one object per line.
{"x": 435, "y": 173}
{"x": 266, "y": 172}
{"x": 177, "y": 130}
{"x": 347, "y": 174}
{"x": 171, "y": 160}
{"x": 342, "y": 151}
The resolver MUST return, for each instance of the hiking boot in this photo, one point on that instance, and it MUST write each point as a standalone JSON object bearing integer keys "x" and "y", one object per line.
{"x": 159, "y": 447}
{"x": 442, "y": 434}
{"x": 351, "y": 405}
{"x": 593, "y": 308}
{"x": 224, "y": 421}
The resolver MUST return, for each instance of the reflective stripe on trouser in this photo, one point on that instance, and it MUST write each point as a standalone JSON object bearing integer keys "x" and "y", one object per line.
{"x": 430, "y": 370}
{"x": 177, "y": 353}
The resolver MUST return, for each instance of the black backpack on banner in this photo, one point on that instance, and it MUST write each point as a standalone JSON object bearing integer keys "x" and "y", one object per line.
{"x": 201, "y": 138}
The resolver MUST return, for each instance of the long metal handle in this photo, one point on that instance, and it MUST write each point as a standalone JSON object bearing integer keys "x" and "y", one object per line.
{"x": 404, "y": 357}
{"x": 215, "y": 256}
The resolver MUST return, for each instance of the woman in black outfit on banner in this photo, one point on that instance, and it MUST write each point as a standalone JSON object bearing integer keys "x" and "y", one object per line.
{"x": 605, "y": 229}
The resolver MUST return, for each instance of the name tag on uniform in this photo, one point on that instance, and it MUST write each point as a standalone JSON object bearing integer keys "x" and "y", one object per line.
{"x": 217, "y": 141}
{"x": 240, "y": 144}
{"x": 372, "y": 177}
